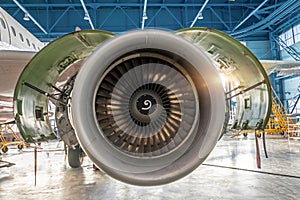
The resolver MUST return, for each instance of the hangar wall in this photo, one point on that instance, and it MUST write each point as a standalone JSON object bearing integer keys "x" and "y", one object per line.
{"x": 261, "y": 49}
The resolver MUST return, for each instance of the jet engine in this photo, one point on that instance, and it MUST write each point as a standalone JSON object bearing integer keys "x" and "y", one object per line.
{"x": 147, "y": 107}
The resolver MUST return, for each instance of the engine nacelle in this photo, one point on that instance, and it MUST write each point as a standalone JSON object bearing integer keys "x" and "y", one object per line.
{"x": 147, "y": 106}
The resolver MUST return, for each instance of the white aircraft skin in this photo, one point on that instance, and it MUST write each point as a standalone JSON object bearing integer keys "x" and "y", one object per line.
{"x": 14, "y": 36}
{"x": 281, "y": 67}
{"x": 17, "y": 47}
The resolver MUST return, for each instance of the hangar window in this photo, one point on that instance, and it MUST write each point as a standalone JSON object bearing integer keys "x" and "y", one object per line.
{"x": 34, "y": 46}
{"x": 13, "y": 31}
{"x": 291, "y": 36}
{"x": 297, "y": 33}
{"x": 28, "y": 43}
{"x": 21, "y": 37}
{"x": 3, "y": 23}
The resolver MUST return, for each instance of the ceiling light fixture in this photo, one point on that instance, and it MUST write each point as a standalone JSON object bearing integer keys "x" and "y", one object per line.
{"x": 26, "y": 17}
{"x": 145, "y": 16}
{"x": 86, "y": 17}
{"x": 200, "y": 16}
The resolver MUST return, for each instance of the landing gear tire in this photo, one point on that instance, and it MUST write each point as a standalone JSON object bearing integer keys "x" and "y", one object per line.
{"x": 75, "y": 156}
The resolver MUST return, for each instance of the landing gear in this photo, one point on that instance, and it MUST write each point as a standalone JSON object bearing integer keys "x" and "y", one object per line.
{"x": 74, "y": 151}
{"x": 75, "y": 156}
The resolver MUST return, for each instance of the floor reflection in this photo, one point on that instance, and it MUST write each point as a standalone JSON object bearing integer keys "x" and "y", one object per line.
{"x": 56, "y": 180}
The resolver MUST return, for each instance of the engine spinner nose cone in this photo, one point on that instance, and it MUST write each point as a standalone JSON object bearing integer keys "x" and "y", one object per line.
{"x": 146, "y": 104}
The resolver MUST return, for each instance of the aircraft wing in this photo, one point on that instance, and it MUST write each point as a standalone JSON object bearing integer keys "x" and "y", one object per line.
{"x": 281, "y": 67}
{"x": 12, "y": 64}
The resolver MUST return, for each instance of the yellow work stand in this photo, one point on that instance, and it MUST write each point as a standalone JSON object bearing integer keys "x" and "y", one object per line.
{"x": 4, "y": 143}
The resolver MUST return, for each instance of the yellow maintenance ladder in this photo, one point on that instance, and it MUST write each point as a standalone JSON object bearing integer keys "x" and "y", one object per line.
{"x": 6, "y": 128}
{"x": 279, "y": 120}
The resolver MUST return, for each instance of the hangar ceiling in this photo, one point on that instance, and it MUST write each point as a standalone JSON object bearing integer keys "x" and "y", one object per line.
{"x": 243, "y": 19}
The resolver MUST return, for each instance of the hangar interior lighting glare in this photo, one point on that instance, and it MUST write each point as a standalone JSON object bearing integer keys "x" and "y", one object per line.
{"x": 26, "y": 17}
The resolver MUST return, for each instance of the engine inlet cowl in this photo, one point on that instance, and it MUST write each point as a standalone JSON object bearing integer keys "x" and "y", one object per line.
{"x": 148, "y": 107}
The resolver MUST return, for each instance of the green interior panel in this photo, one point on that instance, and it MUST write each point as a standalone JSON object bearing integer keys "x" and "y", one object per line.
{"x": 249, "y": 83}
{"x": 42, "y": 72}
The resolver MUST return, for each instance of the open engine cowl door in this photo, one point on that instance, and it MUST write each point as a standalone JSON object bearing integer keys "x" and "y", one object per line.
{"x": 35, "y": 88}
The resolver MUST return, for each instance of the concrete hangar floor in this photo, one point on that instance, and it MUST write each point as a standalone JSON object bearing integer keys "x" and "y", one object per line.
{"x": 230, "y": 172}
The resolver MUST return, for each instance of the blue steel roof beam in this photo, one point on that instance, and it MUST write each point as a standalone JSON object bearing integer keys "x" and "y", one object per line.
{"x": 174, "y": 17}
{"x": 289, "y": 49}
{"x": 276, "y": 12}
{"x": 16, "y": 12}
{"x": 30, "y": 16}
{"x": 259, "y": 17}
{"x": 107, "y": 17}
{"x": 155, "y": 15}
{"x": 96, "y": 5}
{"x": 87, "y": 13}
{"x": 287, "y": 25}
{"x": 229, "y": 16}
{"x": 185, "y": 19}
{"x": 130, "y": 19}
{"x": 283, "y": 10}
{"x": 273, "y": 16}
{"x": 292, "y": 108}
{"x": 289, "y": 76}
{"x": 272, "y": 20}
{"x": 219, "y": 18}
{"x": 58, "y": 20}
{"x": 269, "y": 8}
{"x": 252, "y": 13}
{"x": 200, "y": 12}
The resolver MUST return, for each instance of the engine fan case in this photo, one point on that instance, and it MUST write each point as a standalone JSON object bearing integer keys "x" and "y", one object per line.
{"x": 146, "y": 168}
